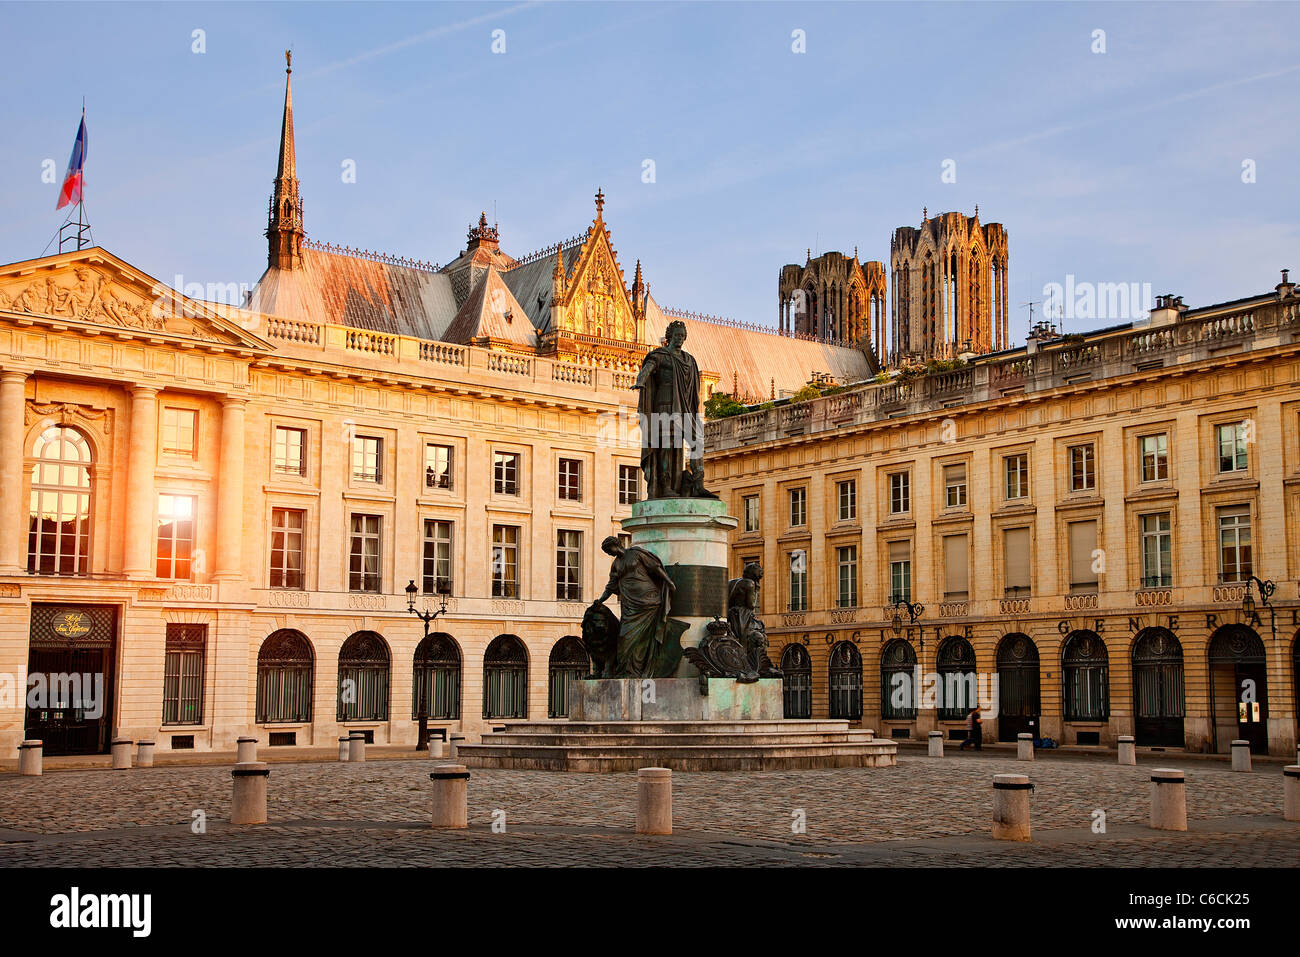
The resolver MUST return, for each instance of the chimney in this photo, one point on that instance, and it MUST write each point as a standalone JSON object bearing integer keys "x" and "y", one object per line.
{"x": 1167, "y": 310}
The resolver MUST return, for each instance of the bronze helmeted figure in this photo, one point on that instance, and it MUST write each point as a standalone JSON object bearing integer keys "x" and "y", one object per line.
{"x": 649, "y": 642}
{"x": 669, "y": 413}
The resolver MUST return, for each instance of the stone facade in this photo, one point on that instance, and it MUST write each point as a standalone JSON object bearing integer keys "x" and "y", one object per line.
{"x": 1102, "y": 491}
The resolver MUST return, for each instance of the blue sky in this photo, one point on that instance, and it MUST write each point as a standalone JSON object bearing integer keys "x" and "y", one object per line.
{"x": 1124, "y": 166}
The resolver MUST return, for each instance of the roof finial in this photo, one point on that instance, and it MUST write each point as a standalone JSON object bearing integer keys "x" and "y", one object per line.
{"x": 288, "y": 61}
{"x": 600, "y": 202}
{"x": 977, "y": 210}
{"x": 925, "y": 213}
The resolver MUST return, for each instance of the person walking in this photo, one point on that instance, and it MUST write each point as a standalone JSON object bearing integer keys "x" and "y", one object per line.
{"x": 974, "y": 731}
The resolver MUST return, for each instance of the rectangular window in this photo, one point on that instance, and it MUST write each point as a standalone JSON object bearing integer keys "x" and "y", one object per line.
{"x": 183, "y": 673}
{"x": 367, "y": 458}
{"x": 900, "y": 493}
{"x": 175, "y": 536}
{"x": 1157, "y": 551}
{"x": 287, "y": 526}
{"x": 179, "y": 428}
{"x": 956, "y": 568}
{"x": 436, "y": 563}
{"x": 568, "y": 565}
{"x": 847, "y": 562}
{"x": 1083, "y": 468}
{"x": 629, "y": 484}
{"x": 1083, "y": 544}
{"x": 505, "y": 473}
{"x": 751, "y": 513}
{"x": 1155, "y": 457}
{"x": 363, "y": 560}
{"x": 438, "y": 462}
{"x": 954, "y": 486}
{"x": 570, "y": 483}
{"x": 1016, "y": 571}
{"x": 798, "y": 507}
{"x": 289, "y": 451}
{"x": 1017, "y": 472}
{"x": 1232, "y": 447}
{"x": 1234, "y": 544}
{"x": 900, "y": 571}
{"x": 798, "y": 580}
{"x": 505, "y": 561}
{"x": 847, "y": 492}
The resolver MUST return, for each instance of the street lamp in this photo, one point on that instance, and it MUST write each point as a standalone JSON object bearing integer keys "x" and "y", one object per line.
{"x": 443, "y": 587}
{"x": 914, "y": 611}
{"x": 1266, "y": 589}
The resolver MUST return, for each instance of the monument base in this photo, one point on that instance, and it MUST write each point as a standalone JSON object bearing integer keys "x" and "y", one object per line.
{"x": 674, "y": 699}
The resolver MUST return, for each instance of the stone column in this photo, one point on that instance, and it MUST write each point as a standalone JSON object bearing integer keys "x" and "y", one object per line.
{"x": 13, "y": 527}
{"x": 142, "y": 457}
{"x": 230, "y": 491}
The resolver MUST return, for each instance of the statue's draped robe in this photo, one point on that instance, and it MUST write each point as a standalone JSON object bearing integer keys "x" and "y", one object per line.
{"x": 742, "y": 614}
{"x": 643, "y": 600}
{"x": 681, "y": 397}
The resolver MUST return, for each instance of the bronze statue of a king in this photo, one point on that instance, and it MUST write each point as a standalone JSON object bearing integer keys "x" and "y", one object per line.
{"x": 670, "y": 419}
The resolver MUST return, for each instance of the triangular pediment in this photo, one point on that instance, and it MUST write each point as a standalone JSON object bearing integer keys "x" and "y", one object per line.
{"x": 96, "y": 288}
{"x": 597, "y": 302}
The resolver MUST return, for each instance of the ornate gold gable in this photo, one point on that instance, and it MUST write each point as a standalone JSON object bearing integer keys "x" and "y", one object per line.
{"x": 596, "y": 302}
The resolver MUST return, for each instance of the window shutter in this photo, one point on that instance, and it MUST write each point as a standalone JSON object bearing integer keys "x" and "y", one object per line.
{"x": 900, "y": 552}
{"x": 1083, "y": 541}
{"x": 1016, "y": 542}
{"x": 956, "y": 567}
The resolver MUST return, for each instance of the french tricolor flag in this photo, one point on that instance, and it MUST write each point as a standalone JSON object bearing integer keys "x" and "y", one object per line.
{"x": 72, "y": 180}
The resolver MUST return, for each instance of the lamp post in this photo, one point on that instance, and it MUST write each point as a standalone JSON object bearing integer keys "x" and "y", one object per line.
{"x": 443, "y": 588}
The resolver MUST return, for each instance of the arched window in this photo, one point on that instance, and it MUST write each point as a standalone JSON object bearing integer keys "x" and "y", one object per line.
{"x": 437, "y": 678}
{"x": 284, "y": 675}
{"x": 898, "y": 689}
{"x": 957, "y": 691}
{"x": 363, "y": 678}
{"x": 796, "y": 681}
{"x": 1238, "y": 688}
{"x": 846, "y": 681}
{"x": 505, "y": 678}
{"x": 1018, "y": 692}
{"x": 1158, "y": 689}
{"x": 568, "y": 660}
{"x": 58, "y": 531}
{"x": 1085, "y": 669}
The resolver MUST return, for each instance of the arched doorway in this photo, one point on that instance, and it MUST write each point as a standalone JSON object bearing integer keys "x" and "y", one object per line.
{"x": 796, "y": 681}
{"x": 898, "y": 688}
{"x": 505, "y": 678}
{"x": 1158, "y": 689}
{"x": 1238, "y": 688}
{"x": 437, "y": 678}
{"x": 1019, "y": 704}
{"x": 1085, "y": 669}
{"x": 568, "y": 660}
{"x": 363, "y": 678}
{"x": 957, "y": 691}
{"x": 285, "y": 664}
{"x": 846, "y": 681}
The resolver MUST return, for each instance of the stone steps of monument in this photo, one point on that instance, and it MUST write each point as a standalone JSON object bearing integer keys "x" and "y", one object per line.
{"x": 718, "y": 756}
{"x": 677, "y": 727}
{"x": 672, "y": 739}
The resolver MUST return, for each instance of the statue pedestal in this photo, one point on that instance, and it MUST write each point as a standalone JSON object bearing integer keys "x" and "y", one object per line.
{"x": 674, "y": 699}
{"x": 689, "y": 535}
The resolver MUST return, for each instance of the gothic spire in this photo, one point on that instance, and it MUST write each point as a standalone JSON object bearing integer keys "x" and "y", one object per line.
{"x": 284, "y": 231}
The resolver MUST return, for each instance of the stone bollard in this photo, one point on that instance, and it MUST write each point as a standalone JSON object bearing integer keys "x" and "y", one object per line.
{"x": 246, "y": 750}
{"x": 1168, "y": 800}
{"x": 1291, "y": 792}
{"x": 1011, "y": 807}
{"x": 30, "y": 757}
{"x": 356, "y": 747}
{"x": 343, "y": 748}
{"x": 936, "y": 744}
{"x": 456, "y": 741}
{"x": 249, "y": 805}
{"x": 144, "y": 754}
{"x": 121, "y": 754}
{"x": 435, "y": 747}
{"x": 450, "y": 796}
{"x": 1240, "y": 755}
{"x": 654, "y": 801}
{"x": 1127, "y": 750}
{"x": 1024, "y": 746}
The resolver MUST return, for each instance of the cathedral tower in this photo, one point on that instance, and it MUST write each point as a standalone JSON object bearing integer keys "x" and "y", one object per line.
{"x": 284, "y": 233}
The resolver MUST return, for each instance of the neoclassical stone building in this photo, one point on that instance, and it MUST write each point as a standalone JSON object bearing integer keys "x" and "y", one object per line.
{"x": 218, "y": 510}
{"x": 1082, "y": 518}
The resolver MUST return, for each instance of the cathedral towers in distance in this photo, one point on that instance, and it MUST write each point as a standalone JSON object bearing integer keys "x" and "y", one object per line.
{"x": 947, "y": 284}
